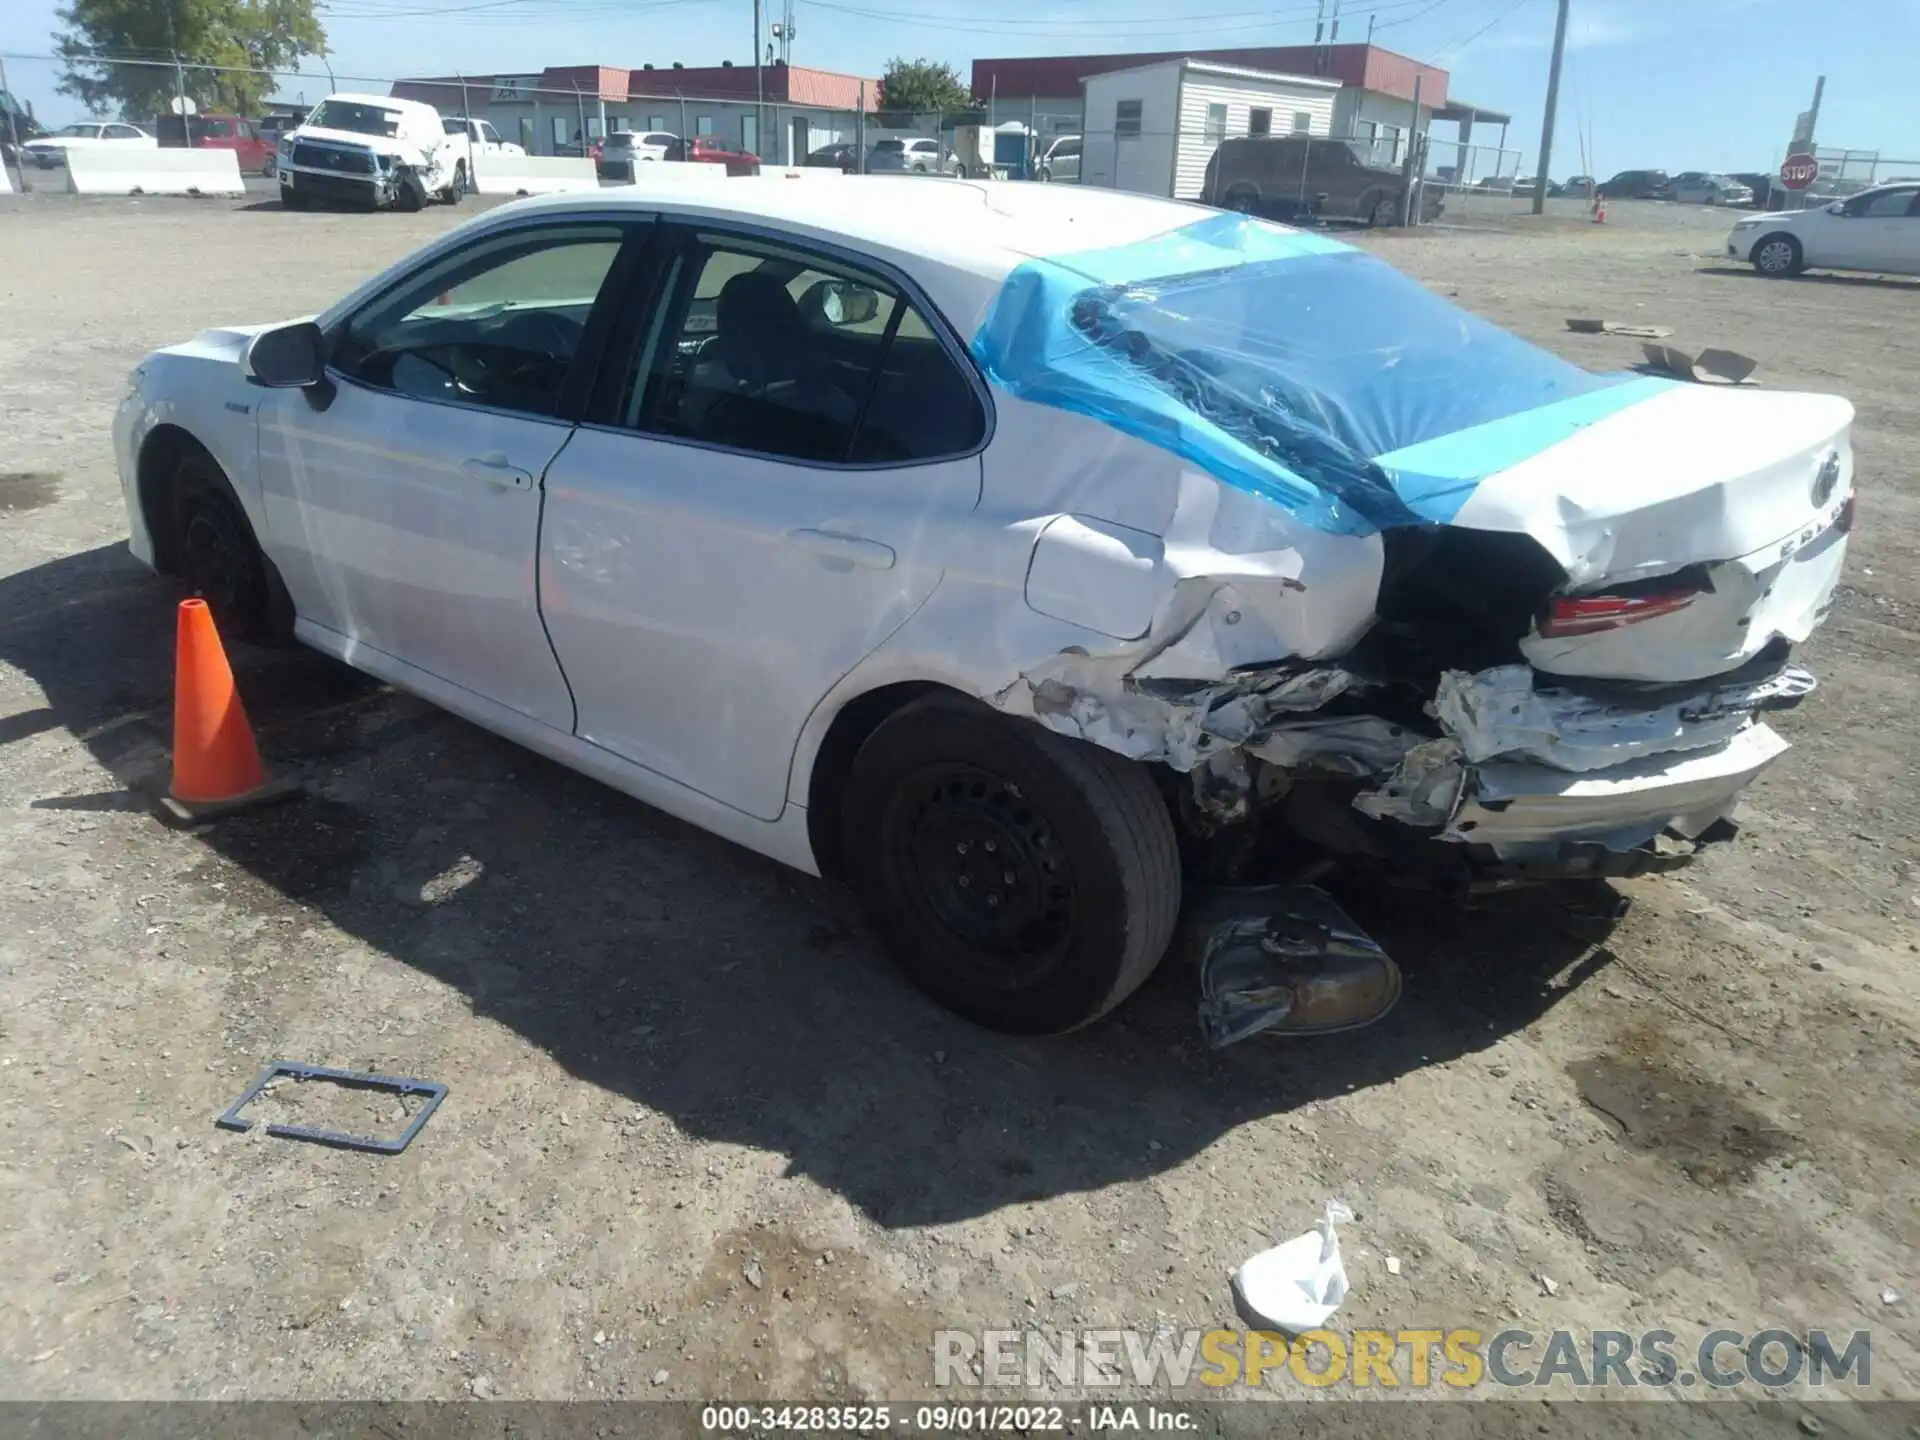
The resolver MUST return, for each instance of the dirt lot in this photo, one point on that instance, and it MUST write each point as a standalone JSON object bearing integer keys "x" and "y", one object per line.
{"x": 701, "y": 1142}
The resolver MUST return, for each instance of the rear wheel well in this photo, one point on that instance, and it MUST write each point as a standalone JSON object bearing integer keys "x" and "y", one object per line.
{"x": 857, "y": 719}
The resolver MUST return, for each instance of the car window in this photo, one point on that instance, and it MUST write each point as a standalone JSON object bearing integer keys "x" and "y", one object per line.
{"x": 496, "y": 324}
{"x": 487, "y": 133}
{"x": 134, "y": 132}
{"x": 1067, "y": 149}
{"x": 883, "y": 146}
{"x": 1888, "y": 204}
{"x": 355, "y": 116}
{"x": 798, "y": 357}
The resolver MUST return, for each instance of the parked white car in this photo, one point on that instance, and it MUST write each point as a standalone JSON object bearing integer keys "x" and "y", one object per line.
{"x": 49, "y": 152}
{"x": 1877, "y": 229}
{"x": 913, "y": 156}
{"x": 1019, "y": 554}
{"x": 624, "y": 149}
{"x": 481, "y": 137}
{"x": 1696, "y": 187}
{"x": 1060, "y": 161}
{"x": 377, "y": 151}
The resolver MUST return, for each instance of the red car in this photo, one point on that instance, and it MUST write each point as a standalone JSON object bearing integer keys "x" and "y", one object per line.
{"x": 254, "y": 151}
{"x": 706, "y": 149}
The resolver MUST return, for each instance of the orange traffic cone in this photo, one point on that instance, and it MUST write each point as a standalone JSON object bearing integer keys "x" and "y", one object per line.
{"x": 216, "y": 766}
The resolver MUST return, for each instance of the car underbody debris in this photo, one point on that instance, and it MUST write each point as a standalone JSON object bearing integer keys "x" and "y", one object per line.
{"x": 1283, "y": 960}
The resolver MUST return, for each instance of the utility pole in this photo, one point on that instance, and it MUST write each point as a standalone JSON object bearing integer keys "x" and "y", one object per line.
{"x": 759, "y": 83}
{"x": 1553, "y": 101}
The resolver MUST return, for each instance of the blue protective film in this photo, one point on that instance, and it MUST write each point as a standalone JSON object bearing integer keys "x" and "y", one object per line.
{"x": 1289, "y": 365}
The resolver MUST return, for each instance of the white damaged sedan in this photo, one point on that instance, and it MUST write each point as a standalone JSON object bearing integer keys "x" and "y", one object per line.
{"x": 1031, "y": 556}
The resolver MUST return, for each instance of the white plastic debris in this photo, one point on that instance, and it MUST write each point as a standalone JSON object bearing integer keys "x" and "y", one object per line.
{"x": 1296, "y": 1286}
{"x": 1393, "y": 1264}
{"x": 1889, "y": 1296}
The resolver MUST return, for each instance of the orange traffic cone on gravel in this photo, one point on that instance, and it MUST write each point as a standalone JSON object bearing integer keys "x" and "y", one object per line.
{"x": 216, "y": 765}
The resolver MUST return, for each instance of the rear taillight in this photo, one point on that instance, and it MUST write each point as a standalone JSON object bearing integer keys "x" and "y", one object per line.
{"x": 1569, "y": 616}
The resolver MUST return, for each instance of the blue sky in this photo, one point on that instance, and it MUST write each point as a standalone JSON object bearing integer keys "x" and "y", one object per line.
{"x": 1682, "y": 84}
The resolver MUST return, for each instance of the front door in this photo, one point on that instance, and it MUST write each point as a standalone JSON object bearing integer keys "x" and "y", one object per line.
{"x": 1873, "y": 232}
{"x": 798, "y": 155}
{"x": 404, "y": 512}
{"x": 765, "y": 498}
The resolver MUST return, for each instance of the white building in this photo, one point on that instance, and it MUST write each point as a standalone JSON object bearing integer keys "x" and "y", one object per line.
{"x": 1151, "y": 129}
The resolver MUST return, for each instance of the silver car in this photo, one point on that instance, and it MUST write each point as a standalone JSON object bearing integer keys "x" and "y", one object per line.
{"x": 1697, "y": 187}
{"x": 1060, "y": 160}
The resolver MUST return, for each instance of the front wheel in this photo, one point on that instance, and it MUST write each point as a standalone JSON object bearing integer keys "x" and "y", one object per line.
{"x": 1778, "y": 256}
{"x": 219, "y": 557}
{"x": 292, "y": 199}
{"x": 1384, "y": 212}
{"x": 457, "y": 191}
{"x": 1027, "y": 881}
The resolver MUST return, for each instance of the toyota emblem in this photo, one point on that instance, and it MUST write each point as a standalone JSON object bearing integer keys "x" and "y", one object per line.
{"x": 1829, "y": 476}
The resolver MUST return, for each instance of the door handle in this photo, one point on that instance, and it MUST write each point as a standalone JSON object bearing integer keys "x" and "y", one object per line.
{"x": 494, "y": 470}
{"x": 843, "y": 550}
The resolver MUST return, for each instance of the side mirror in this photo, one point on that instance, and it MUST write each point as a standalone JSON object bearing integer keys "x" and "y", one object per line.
{"x": 291, "y": 357}
{"x": 845, "y": 303}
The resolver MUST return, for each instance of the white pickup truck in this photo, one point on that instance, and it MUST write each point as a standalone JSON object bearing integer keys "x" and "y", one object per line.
{"x": 378, "y": 151}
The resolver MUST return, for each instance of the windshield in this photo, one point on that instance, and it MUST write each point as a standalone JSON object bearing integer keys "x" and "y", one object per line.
{"x": 352, "y": 115}
{"x": 882, "y": 146}
{"x": 77, "y": 130}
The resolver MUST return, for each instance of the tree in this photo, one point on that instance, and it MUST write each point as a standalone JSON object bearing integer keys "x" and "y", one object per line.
{"x": 920, "y": 87}
{"x": 103, "y": 36}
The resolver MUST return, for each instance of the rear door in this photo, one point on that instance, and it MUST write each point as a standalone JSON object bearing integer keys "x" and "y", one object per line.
{"x": 761, "y": 496}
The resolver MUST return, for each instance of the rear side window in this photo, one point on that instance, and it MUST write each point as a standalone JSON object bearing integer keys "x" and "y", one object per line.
{"x": 797, "y": 356}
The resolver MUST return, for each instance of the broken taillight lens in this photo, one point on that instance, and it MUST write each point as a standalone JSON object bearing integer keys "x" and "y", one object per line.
{"x": 1568, "y": 616}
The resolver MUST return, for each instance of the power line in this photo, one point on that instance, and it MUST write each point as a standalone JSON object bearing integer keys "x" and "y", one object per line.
{"x": 1454, "y": 49}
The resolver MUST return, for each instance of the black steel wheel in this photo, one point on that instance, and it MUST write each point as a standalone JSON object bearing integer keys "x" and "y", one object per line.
{"x": 1027, "y": 881}
{"x": 219, "y": 557}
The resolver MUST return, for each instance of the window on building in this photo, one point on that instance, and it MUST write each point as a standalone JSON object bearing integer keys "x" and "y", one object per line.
{"x": 616, "y": 124}
{"x": 1260, "y": 121}
{"x": 1216, "y": 130}
{"x": 593, "y": 127}
{"x": 703, "y": 125}
{"x": 1126, "y": 118}
{"x": 656, "y": 122}
{"x": 562, "y": 132}
{"x": 750, "y": 134}
{"x": 1302, "y": 122}
{"x": 526, "y": 134}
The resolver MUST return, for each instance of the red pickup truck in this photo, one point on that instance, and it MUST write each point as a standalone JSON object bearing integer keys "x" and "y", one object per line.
{"x": 218, "y": 132}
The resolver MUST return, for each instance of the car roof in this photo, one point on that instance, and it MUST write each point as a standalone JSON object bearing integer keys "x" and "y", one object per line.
{"x": 384, "y": 102}
{"x": 981, "y": 227}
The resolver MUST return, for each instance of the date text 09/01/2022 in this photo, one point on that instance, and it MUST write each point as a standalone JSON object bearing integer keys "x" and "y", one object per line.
{"x": 940, "y": 1419}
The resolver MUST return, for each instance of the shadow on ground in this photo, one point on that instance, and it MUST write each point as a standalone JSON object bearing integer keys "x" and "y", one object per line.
{"x": 701, "y": 981}
{"x": 1820, "y": 277}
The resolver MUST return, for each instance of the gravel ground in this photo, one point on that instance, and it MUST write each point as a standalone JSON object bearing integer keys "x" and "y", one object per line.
{"x": 701, "y": 1142}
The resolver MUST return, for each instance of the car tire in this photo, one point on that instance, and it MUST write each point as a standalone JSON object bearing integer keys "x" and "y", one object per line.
{"x": 410, "y": 196}
{"x": 457, "y": 191}
{"x": 291, "y": 199}
{"x": 1044, "y": 174}
{"x": 1778, "y": 256}
{"x": 219, "y": 558}
{"x": 1243, "y": 198}
{"x": 1027, "y": 881}
{"x": 1383, "y": 212}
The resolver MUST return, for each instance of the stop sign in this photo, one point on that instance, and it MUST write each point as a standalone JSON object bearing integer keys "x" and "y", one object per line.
{"x": 1799, "y": 170}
